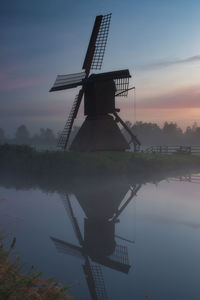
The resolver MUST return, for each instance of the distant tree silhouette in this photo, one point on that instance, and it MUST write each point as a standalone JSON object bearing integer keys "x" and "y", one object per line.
{"x": 47, "y": 135}
{"x": 45, "y": 139}
{"x": 22, "y": 135}
{"x": 171, "y": 129}
{"x": 172, "y": 133}
{"x": 148, "y": 133}
{"x": 2, "y": 136}
{"x": 192, "y": 135}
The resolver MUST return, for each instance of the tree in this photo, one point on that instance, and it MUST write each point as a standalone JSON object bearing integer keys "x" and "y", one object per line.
{"x": 194, "y": 127}
{"x": 171, "y": 128}
{"x": 45, "y": 140}
{"x": 47, "y": 135}
{"x": 2, "y": 136}
{"x": 147, "y": 133}
{"x": 172, "y": 133}
{"x": 22, "y": 135}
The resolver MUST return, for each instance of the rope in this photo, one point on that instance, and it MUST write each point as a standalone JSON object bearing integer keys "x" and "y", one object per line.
{"x": 135, "y": 221}
{"x": 134, "y": 107}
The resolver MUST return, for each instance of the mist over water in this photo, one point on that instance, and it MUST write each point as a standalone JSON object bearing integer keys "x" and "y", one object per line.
{"x": 135, "y": 240}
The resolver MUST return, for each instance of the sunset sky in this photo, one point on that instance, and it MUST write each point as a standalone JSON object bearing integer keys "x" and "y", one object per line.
{"x": 157, "y": 40}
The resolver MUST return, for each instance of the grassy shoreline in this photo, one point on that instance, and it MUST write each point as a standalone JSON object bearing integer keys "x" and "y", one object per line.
{"x": 22, "y": 167}
{"x": 18, "y": 160}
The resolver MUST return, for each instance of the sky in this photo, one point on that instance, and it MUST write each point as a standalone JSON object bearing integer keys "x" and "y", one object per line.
{"x": 157, "y": 40}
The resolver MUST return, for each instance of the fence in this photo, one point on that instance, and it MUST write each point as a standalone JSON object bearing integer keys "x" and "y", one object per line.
{"x": 173, "y": 149}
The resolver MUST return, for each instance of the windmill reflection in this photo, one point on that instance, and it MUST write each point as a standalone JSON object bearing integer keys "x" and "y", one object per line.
{"x": 102, "y": 209}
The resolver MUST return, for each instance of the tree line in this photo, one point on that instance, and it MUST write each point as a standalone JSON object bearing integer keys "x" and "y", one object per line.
{"x": 169, "y": 134}
{"x": 44, "y": 139}
{"x": 147, "y": 133}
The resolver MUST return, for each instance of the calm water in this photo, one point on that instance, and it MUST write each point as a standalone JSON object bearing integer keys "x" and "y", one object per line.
{"x": 111, "y": 239}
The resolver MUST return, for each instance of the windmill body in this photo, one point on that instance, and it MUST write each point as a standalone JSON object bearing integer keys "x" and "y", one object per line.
{"x": 99, "y": 96}
{"x": 100, "y": 131}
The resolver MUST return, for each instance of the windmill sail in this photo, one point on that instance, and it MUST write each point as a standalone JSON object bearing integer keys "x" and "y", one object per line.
{"x": 117, "y": 261}
{"x": 96, "y": 48}
{"x": 95, "y": 281}
{"x": 68, "y": 207}
{"x": 67, "y": 248}
{"x": 64, "y": 82}
{"x": 64, "y": 137}
{"x": 93, "y": 273}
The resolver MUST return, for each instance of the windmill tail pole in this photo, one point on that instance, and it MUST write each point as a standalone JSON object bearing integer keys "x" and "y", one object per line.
{"x": 133, "y": 137}
{"x": 125, "y": 91}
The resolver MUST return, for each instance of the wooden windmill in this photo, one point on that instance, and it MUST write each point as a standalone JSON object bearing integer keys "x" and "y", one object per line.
{"x": 100, "y": 131}
{"x": 98, "y": 244}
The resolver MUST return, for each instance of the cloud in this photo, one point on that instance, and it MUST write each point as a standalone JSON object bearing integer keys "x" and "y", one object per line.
{"x": 19, "y": 83}
{"x": 39, "y": 108}
{"x": 17, "y": 76}
{"x": 188, "y": 97}
{"x": 168, "y": 63}
{"x": 10, "y": 80}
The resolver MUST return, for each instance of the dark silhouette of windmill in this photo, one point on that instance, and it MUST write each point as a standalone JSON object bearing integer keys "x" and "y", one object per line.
{"x": 99, "y": 131}
{"x": 98, "y": 244}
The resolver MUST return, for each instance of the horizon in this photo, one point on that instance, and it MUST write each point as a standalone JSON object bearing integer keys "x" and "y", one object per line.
{"x": 11, "y": 135}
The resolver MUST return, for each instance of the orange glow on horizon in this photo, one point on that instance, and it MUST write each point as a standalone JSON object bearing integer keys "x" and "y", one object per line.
{"x": 182, "y": 116}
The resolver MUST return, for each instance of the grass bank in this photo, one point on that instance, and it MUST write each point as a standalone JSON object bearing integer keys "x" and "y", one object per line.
{"x": 15, "y": 285}
{"x": 20, "y": 160}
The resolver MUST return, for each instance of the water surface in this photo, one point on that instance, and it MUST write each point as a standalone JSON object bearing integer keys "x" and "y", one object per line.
{"x": 111, "y": 239}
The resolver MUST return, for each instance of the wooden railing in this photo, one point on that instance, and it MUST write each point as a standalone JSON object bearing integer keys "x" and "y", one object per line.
{"x": 173, "y": 149}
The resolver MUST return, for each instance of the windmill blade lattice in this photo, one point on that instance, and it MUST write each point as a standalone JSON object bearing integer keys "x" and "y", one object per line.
{"x": 68, "y": 207}
{"x": 96, "y": 48}
{"x": 95, "y": 280}
{"x": 99, "y": 282}
{"x": 64, "y": 137}
{"x": 101, "y": 43}
{"x": 64, "y": 82}
{"x": 120, "y": 255}
{"x": 67, "y": 248}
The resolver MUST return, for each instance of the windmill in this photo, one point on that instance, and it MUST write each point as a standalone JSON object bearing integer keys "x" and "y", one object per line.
{"x": 98, "y": 244}
{"x": 99, "y": 131}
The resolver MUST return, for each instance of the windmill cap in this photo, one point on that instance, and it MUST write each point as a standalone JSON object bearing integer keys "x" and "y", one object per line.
{"x": 110, "y": 75}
